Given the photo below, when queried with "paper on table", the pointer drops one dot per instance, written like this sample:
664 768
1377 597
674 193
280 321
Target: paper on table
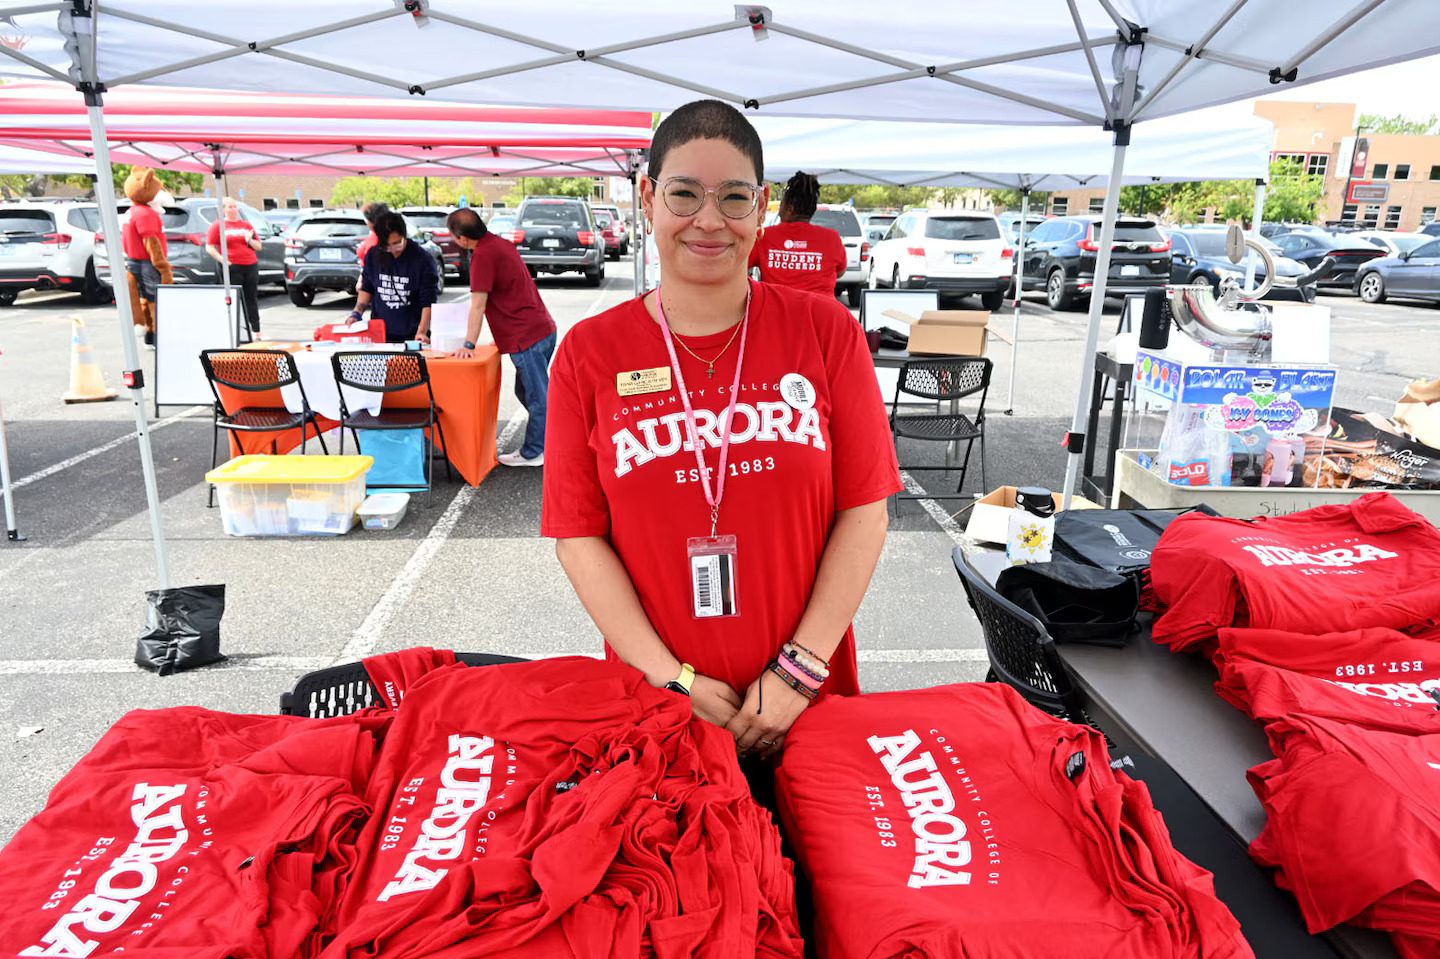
449 322
359 326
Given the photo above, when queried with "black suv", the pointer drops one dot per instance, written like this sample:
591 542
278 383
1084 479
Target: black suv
555 234
1060 259
320 253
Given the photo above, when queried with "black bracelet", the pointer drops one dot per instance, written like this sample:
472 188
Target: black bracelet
811 652
791 681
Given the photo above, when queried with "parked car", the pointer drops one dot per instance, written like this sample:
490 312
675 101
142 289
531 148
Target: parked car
950 252
619 230
1010 223
283 219
1059 258
877 225
1311 246
1430 229
432 222
320 253
613 232
1392 242
49 244
1271 230
557 234
842 220
1414 274
183 246
1198 256
502 225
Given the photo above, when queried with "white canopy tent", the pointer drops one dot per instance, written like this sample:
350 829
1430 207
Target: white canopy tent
1221 143
1092 62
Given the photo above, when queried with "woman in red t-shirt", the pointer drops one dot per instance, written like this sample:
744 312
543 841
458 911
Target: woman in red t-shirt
796 252
241 247
731 572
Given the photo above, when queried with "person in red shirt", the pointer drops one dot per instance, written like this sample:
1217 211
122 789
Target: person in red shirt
502 290
796 252
371 212
719 455
241 245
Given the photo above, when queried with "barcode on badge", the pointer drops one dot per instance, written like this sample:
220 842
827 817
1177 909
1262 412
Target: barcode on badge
711 578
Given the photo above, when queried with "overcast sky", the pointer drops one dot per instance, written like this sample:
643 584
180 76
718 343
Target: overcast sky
1407 88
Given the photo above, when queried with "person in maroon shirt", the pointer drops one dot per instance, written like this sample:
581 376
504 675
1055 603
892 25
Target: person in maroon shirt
502 290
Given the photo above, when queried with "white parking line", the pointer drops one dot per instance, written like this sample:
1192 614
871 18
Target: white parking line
944 520
103 448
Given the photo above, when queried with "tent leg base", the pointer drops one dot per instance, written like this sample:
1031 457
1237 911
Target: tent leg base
14 536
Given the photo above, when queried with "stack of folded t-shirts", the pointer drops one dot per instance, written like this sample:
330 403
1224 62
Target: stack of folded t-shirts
562 808
960 821
1325 627
187 832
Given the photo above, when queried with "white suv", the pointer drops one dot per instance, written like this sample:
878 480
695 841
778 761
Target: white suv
49 245
950 252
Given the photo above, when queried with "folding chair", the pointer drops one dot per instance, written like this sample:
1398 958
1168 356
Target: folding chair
942 380
255 371
1022 654
377 372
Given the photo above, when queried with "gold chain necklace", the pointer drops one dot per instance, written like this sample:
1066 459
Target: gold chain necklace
710 364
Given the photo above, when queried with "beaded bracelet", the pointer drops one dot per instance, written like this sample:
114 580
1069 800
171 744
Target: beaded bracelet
791 681
818 675
810 664
807 680
810 652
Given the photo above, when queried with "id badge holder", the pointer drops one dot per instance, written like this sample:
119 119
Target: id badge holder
712 576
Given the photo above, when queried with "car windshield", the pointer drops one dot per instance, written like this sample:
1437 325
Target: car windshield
1137 230
880 221
962 228
330 229
498 223
427 220
553 214
26 221
843 222
1408 243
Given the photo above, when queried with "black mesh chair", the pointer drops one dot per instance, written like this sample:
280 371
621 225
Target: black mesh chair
345 689
942 380
1021 653
255 371
381 372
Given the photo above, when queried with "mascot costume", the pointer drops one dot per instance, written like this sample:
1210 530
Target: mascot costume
146 254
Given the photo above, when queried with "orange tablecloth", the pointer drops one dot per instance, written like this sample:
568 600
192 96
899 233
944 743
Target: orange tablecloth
467 392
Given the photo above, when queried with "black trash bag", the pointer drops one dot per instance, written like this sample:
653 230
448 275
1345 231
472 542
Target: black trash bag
182 629
1075 603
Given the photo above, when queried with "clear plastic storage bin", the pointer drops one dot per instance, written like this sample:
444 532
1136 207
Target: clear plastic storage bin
290 495
383 510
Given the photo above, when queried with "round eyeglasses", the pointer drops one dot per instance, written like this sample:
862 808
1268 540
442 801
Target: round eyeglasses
684 196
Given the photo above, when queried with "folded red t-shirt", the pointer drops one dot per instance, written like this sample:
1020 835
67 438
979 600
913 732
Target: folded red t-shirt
1375 561
960 821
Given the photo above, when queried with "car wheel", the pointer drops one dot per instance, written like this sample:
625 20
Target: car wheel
1057 297
301 295
871 280
7 297
852 294
993 300
595 278
92 291
895 277
1372 288
624 249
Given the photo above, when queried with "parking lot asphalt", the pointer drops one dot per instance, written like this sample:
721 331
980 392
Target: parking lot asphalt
470 571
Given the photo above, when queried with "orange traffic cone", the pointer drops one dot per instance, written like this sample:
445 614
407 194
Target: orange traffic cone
87 383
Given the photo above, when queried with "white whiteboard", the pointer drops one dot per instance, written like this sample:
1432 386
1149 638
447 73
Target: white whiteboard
190 318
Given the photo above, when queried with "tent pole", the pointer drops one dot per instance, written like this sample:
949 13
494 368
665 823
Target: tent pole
1076 440
110 225
637 245
1255 221
1015 314
220 194
12 531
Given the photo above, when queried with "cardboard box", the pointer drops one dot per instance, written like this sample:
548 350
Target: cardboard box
990 516
946 332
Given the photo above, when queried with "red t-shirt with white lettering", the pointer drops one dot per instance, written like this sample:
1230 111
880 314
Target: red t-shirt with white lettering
238 233
800 255
616 466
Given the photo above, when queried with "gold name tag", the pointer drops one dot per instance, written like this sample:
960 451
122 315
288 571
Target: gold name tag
635 382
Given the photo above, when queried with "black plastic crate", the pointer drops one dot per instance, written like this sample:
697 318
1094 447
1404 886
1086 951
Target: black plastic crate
346 689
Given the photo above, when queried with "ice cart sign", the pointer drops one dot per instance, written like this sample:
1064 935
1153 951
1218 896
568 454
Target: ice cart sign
1282 401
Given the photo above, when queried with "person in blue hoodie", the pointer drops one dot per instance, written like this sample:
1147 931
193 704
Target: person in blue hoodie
399 281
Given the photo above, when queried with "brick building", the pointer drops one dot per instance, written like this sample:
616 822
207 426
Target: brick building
1400 185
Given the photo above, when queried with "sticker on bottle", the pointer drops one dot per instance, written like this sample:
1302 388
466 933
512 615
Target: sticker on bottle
712 576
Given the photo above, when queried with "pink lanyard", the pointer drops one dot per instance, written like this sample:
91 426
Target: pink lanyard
718 494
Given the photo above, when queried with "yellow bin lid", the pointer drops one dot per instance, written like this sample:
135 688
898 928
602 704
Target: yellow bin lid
256 468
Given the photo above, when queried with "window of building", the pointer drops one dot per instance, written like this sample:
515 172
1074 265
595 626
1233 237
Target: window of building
271 203
1291 157
1060 206
1402 171
1097 204
1319 163
292 204
1372 216
317 204
1380 172
1348 212
1435 172
1427 214
1392 218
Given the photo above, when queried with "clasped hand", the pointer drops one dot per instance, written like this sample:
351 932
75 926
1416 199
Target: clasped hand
760 721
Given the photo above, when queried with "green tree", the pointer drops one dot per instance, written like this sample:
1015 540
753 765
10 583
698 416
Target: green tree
869 196
1292 195
1010 201
1375 123
579 186
39 184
